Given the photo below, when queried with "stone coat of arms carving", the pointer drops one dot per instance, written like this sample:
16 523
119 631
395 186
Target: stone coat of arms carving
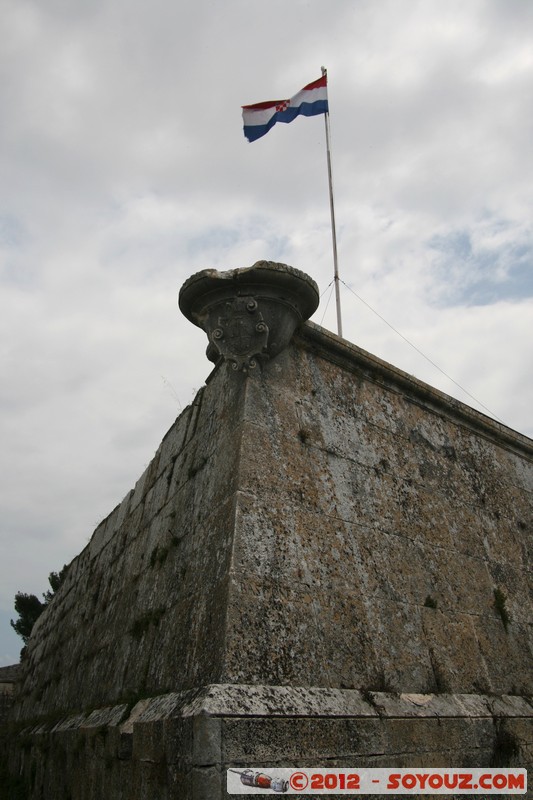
241 335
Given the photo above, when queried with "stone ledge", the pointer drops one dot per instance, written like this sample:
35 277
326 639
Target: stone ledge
231 700
247 700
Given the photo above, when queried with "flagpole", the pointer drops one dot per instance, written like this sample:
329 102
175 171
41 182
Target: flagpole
332 213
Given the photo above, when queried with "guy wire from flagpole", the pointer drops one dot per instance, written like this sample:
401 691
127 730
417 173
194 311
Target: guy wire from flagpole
332 212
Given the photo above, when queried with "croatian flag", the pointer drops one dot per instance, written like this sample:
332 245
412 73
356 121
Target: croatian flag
260 117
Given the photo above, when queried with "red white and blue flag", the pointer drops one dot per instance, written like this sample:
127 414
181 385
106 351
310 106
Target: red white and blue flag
261 117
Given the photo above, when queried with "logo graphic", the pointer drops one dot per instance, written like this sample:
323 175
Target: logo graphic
261 781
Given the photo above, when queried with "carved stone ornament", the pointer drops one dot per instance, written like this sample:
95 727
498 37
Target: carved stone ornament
242 334
249 314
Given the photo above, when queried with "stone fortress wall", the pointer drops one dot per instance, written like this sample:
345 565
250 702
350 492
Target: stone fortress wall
325 561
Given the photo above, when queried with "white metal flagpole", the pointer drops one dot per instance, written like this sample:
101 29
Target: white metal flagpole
332 212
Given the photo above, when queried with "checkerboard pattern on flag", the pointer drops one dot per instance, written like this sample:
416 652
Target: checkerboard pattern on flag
261 117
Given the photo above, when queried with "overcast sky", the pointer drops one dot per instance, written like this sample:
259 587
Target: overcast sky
124 170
